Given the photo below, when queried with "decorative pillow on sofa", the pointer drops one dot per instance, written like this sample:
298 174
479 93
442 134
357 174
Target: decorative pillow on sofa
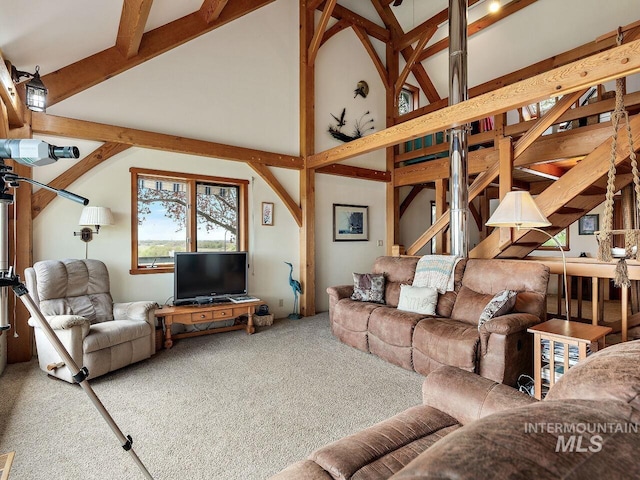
368 287
418 299
501 304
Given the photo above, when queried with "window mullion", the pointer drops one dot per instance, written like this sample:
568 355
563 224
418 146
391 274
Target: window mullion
192 211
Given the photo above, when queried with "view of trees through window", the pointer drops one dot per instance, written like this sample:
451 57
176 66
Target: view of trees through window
170 209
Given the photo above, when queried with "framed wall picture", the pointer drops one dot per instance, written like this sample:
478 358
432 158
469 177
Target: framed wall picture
350 223
267 213
588 224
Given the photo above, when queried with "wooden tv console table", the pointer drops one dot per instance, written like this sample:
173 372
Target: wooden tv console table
194 314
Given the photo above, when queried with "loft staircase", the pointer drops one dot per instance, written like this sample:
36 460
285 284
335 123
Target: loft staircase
567 199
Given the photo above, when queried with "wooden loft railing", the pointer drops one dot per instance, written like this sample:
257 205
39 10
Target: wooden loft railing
598 272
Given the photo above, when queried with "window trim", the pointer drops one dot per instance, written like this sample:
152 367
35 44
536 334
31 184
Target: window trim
191 180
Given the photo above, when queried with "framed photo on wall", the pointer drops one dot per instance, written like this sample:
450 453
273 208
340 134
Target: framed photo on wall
588 224
350 223
267 213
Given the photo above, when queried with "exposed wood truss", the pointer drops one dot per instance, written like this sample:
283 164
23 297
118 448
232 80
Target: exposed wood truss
619 61
68 127
92 70
43 197
132 22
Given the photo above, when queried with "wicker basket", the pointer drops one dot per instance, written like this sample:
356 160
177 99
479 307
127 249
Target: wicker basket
263 320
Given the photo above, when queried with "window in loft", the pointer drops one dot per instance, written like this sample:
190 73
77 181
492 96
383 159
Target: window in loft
408 99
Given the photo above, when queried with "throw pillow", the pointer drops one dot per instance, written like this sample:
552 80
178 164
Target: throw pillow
501 304
418 299
368 287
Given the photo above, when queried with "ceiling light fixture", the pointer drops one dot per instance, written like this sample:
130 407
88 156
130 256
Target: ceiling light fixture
494 6
35 91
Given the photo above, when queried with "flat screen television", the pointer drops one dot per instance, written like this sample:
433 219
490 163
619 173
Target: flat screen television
203 277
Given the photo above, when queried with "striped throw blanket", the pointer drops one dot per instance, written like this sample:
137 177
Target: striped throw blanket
436 271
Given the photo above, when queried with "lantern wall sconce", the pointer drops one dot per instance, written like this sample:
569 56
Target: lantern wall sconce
35 91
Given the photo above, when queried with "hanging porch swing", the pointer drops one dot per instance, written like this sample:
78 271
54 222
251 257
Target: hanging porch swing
606 252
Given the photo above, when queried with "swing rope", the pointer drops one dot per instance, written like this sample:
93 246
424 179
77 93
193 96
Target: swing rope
631 236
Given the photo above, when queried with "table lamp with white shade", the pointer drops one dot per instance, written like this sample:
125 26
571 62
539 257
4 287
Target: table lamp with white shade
518 209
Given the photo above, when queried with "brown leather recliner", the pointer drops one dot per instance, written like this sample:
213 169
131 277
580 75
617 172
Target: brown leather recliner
470 427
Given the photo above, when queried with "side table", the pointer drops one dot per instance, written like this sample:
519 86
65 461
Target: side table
565 344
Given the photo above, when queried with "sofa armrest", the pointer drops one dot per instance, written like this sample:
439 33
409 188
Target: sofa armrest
135 311
467 396
510 323
304 469
341 291
65 322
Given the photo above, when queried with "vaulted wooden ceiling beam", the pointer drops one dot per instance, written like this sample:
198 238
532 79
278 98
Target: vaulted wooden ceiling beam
334 29
132 22
101 66
509 9
69 127
373 29
619 61
10 97
377 62
414 34
411 61
211 9
392 24
320 29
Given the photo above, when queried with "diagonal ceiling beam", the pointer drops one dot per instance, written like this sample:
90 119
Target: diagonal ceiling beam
418 70
132 22
509 9
101 66
320 29
377 62
619 61
43 197
414 34
9 95
373 29
211 9
546 121
411 61
334 29
271 180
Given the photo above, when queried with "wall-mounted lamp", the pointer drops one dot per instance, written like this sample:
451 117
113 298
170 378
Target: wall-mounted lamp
96 216
35 91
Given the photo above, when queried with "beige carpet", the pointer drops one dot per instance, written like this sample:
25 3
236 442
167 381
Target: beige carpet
223 406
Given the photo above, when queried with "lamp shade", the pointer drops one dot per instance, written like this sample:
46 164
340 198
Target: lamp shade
96 216
518 209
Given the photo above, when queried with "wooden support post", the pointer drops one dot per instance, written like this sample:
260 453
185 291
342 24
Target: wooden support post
392 192
594 301
307 175
505 147
441 207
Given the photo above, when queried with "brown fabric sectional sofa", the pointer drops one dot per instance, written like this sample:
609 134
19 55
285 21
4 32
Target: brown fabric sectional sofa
470 427
500 349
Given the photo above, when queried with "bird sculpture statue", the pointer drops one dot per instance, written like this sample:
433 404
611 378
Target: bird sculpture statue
297 288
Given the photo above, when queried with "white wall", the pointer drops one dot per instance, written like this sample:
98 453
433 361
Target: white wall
243 91
340 64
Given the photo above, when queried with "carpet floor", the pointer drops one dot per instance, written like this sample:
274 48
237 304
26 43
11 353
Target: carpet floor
223 406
